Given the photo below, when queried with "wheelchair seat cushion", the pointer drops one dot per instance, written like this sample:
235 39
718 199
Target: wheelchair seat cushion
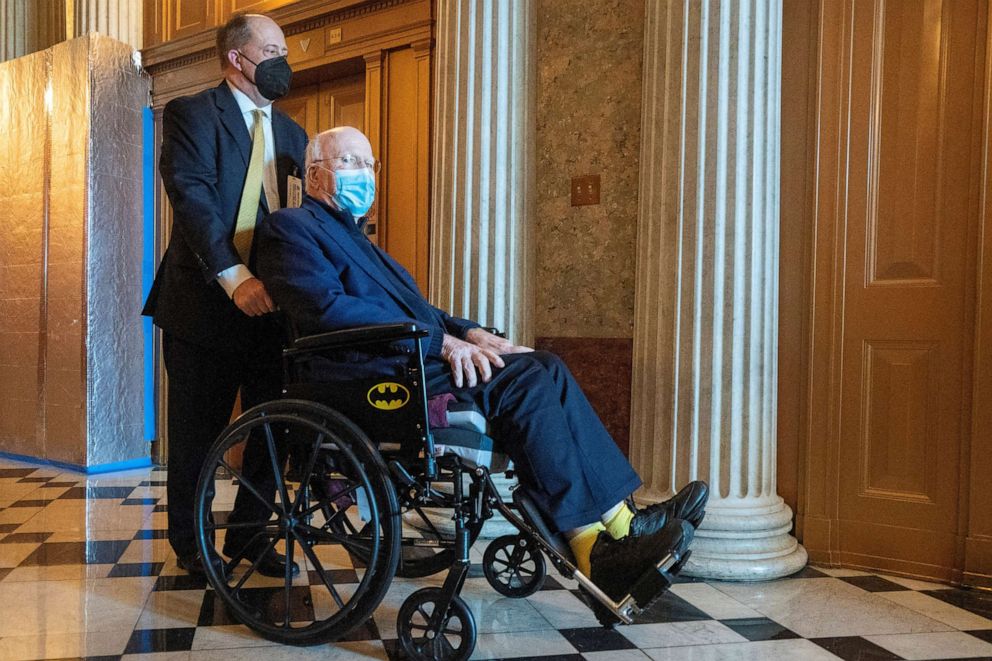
473 448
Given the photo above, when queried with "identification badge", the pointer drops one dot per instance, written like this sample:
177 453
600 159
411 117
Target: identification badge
294 192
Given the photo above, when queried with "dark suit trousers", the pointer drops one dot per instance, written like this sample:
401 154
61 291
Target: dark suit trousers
203 384
540 417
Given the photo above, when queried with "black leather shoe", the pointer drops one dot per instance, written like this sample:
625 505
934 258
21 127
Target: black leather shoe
689 505
272 564
193 564
617 564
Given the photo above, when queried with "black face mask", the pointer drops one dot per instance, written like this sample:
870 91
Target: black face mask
272 76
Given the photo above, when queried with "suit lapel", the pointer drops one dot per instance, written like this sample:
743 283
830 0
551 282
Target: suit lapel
230 117
340 236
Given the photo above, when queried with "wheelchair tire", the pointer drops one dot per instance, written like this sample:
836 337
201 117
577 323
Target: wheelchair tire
514 566
451 638
334 471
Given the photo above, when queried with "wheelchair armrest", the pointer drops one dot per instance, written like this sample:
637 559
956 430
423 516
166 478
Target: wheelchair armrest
351 337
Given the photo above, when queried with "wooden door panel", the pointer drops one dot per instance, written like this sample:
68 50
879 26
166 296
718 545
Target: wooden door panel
191 16
902 89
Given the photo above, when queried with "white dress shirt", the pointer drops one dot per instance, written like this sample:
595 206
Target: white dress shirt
231 278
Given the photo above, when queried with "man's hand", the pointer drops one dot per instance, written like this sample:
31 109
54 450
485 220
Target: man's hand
252 299
465 358
498 345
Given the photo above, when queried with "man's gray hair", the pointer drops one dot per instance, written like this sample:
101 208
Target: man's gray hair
314 152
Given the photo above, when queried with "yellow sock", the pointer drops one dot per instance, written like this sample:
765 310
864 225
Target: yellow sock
617 521
581 543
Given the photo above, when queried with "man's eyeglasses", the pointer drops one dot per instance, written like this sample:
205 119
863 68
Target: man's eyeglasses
352 162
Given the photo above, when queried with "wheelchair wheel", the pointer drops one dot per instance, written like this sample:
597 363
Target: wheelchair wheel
514 566
426 634
299 479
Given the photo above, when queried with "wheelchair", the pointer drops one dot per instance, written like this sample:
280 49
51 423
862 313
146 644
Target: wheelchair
359 477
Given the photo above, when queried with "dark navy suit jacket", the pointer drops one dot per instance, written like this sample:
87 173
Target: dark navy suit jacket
317 274
204 161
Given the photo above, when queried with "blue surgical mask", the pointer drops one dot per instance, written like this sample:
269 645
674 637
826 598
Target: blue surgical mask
355 190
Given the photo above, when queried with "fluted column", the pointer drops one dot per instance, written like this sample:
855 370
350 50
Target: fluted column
120 19
706 310
481 256
27 26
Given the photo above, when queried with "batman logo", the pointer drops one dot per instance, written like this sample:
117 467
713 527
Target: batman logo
388 396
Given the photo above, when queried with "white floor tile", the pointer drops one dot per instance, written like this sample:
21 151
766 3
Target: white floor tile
228 636
821 607
64 645
563 609
765 650
522 643
934 645
711 601
676 634
371 649
170 609
914 584
937 610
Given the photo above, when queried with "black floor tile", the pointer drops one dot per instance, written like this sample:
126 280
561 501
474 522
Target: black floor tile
9 527
153 483
475 571
26 537
978 602
74 553
161 507
16 472
759 628
4 572
34 480
670 608
116 493
984 634
32 503
152 534
180 582
873 583
366 631
213 613
552 657
808 572
129 569
551 583
336 576
147 641
597 639
140 501
57 485
855 648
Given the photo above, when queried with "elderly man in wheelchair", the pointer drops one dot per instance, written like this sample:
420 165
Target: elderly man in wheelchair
395 411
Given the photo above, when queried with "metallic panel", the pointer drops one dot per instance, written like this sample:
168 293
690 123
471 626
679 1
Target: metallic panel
71 380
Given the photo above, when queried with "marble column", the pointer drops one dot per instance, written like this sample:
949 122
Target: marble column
482 259
706 310
27 26
120 19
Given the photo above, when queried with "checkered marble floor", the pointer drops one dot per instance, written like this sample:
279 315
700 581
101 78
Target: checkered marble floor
86 572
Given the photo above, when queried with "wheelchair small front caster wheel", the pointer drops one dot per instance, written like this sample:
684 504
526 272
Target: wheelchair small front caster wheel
428 635
514 566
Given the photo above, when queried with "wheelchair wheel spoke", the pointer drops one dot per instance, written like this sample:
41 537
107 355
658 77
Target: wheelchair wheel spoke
254 565
251 489
305 479
318 565
340 494
287 593
234 526
270 442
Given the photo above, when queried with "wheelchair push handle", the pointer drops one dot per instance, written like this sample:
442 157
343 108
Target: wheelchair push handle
351 337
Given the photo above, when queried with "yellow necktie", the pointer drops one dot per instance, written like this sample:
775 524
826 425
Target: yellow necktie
248 210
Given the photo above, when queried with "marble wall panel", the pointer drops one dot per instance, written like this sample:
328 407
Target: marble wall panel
588 122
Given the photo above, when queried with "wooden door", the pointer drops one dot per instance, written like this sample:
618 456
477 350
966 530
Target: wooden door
895 267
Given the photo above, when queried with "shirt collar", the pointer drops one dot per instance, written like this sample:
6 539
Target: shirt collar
246 104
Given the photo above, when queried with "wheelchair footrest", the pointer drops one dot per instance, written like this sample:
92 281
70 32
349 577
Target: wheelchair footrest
653 583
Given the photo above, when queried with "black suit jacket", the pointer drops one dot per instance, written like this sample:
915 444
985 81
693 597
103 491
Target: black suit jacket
323 282
205 151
